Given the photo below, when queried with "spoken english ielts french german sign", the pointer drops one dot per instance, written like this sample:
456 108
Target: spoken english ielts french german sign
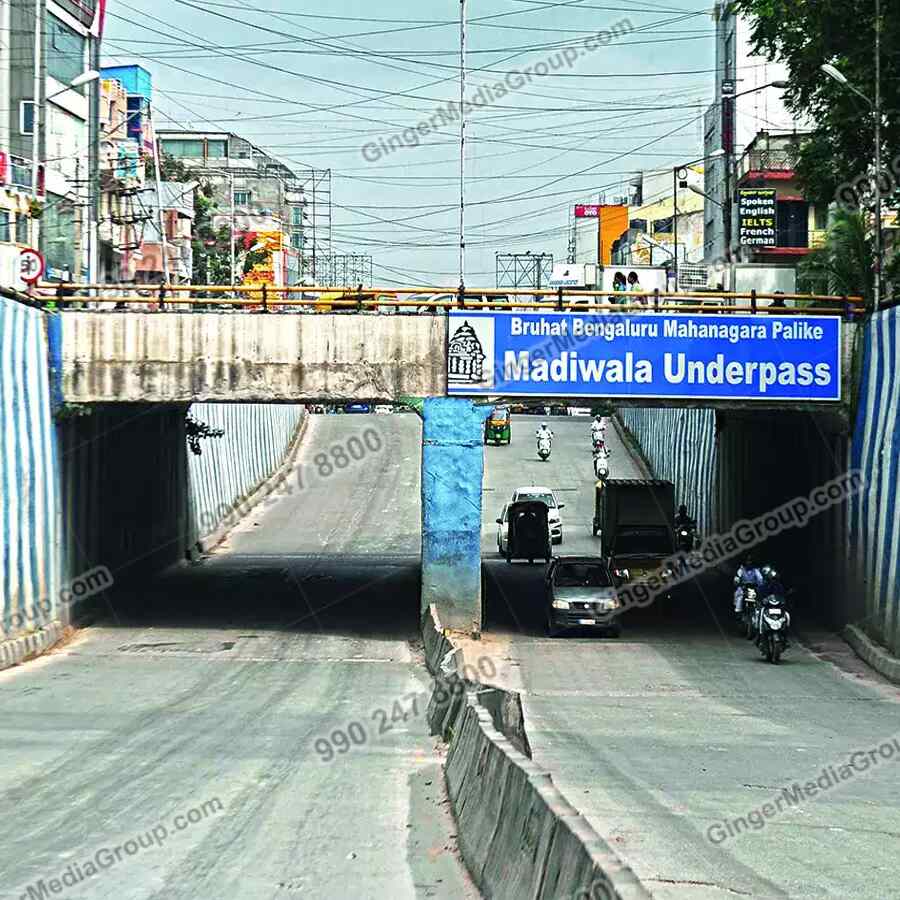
652 355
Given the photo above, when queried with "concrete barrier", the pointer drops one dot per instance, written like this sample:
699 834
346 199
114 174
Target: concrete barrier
518 835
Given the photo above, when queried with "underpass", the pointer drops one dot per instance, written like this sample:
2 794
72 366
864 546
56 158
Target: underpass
238 680
668 734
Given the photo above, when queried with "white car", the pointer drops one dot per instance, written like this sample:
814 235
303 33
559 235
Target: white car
553 507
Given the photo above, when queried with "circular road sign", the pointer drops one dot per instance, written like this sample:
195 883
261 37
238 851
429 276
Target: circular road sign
31 265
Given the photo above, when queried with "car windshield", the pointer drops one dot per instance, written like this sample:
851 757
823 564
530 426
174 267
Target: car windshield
652 543
500 414
544 498
582 575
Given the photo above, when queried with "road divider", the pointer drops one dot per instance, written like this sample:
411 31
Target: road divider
519 837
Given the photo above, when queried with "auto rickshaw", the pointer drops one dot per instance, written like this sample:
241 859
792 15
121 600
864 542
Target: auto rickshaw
528 535
497 428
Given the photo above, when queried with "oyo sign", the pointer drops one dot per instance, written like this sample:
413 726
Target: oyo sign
587 210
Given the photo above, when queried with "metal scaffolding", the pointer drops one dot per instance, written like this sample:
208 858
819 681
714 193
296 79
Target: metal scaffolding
312 189
529 270
346 269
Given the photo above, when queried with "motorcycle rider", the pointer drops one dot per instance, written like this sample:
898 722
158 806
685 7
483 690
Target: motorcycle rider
747 574
598 428
543 431
771 584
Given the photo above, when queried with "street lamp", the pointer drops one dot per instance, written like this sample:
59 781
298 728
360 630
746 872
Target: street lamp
835 73
676 177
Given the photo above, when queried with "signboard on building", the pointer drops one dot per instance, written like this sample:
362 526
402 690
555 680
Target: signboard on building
665 356
756 217
571 275
587 210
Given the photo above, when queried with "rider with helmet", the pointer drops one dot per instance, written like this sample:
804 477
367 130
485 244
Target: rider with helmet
747 575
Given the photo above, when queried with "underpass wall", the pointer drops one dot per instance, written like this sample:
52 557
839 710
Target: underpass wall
874 536
229 469
680 446
30 575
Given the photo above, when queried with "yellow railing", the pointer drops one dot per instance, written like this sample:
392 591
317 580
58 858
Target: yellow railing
326 299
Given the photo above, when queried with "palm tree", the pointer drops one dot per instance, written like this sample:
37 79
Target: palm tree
846 263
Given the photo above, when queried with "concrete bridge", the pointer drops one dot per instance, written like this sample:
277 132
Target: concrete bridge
167 357
126 357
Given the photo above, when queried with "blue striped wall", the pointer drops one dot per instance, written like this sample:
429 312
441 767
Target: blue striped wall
257 438
30 577
680 445
874 527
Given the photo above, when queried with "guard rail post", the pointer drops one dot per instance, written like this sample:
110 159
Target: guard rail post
559 299
656 299
753 301
162 297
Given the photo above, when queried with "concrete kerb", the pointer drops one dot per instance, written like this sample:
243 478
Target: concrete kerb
878 657
205 543
18 649
519 836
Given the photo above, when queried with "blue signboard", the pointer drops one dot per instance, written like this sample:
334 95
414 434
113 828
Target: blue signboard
652 355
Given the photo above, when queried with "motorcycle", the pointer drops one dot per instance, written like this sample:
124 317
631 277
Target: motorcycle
748 611
773 621
601 466
685 536
543 448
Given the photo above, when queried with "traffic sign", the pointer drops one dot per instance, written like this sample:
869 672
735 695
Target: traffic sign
31 265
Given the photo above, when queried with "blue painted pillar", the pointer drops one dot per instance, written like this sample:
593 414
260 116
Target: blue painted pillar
452 468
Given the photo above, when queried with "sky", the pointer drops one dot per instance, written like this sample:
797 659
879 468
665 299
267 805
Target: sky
611 90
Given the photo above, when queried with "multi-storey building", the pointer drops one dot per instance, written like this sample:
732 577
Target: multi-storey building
49 95
260 200
745 104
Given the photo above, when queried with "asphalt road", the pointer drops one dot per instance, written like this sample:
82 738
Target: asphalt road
184 730
679 726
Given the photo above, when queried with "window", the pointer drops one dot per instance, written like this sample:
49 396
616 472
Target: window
297 216
217 149
4 225
242 198
21 229
663 226
65 52
792 219
26 117
183 149
297 240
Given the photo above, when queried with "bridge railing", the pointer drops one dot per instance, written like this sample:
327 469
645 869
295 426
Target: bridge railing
429 300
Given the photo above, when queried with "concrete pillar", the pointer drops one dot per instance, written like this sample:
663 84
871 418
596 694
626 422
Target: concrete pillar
452 469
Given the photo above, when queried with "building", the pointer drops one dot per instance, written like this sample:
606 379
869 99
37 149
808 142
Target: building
652 223
124 139
46 200
173 257
774 223
259 196
744 106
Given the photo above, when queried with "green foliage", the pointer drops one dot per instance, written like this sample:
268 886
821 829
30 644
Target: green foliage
806 33
845 265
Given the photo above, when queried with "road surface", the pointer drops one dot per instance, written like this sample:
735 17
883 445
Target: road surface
679 727
200 701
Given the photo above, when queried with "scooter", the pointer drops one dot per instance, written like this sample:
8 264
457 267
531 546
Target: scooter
748 611
601 466
773 621
543 448
685 537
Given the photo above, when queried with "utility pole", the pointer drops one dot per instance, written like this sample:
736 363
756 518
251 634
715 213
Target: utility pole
161 216
36 111
462 146
231 232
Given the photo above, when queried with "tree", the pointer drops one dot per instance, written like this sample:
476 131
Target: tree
803 35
